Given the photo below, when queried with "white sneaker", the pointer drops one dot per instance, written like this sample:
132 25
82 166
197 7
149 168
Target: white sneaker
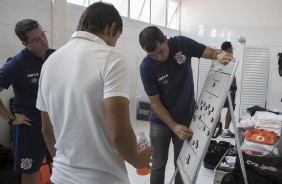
227 134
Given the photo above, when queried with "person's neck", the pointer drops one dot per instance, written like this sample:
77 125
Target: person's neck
41 55
105 38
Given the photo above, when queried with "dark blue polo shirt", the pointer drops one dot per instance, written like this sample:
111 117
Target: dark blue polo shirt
22 72
173 79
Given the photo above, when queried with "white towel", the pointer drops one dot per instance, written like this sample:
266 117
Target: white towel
261 149
268 116
268 121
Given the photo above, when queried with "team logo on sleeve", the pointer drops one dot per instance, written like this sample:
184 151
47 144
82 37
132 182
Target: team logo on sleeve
26 163
180 58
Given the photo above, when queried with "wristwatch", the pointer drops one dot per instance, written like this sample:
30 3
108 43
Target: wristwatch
216 53
12 118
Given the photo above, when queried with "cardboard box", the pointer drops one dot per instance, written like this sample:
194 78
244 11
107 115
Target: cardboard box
143 111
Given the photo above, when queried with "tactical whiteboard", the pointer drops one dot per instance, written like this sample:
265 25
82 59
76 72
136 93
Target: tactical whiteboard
207 113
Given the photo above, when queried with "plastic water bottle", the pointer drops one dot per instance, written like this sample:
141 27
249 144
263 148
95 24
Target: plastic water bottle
142 142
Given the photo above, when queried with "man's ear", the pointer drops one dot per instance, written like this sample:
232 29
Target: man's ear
111 28
165 39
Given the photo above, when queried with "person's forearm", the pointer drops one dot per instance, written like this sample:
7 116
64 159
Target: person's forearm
125 143
234 83
50 142
163 114
215 54
4 113
210 53
120 130
48 133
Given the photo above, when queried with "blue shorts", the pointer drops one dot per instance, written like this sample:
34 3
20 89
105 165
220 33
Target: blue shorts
29 148
226 104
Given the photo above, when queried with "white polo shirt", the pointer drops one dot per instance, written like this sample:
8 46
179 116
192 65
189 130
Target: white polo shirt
73 84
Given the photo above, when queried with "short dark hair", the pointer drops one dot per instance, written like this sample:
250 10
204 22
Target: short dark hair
96 17
24 26
149 37
226 45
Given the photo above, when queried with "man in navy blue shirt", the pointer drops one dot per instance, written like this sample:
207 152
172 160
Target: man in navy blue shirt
22 72
167 77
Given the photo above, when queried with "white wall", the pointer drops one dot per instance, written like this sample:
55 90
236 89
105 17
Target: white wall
212 22
239 12
216 21
274 95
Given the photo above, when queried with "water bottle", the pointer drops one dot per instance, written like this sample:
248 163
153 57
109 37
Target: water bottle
142 142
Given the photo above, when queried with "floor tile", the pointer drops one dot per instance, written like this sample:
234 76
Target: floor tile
139 179
204 179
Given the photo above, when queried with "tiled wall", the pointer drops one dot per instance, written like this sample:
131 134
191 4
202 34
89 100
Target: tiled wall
11 11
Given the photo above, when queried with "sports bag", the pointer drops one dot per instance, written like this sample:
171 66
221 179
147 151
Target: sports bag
252 110
259 170
215 153
4 155
45 171
7 176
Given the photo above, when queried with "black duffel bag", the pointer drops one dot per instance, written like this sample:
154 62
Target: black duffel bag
4 155
215 152
259 170
7 176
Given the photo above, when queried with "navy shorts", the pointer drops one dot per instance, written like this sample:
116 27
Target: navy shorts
29 148
232 95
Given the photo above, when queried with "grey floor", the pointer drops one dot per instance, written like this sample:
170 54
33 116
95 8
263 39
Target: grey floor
205 176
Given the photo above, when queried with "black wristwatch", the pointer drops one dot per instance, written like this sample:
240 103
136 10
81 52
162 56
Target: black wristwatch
12 118
216 53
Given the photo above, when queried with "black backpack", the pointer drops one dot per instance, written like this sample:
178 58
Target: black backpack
259 170
7 176
4 155
215 153
252 110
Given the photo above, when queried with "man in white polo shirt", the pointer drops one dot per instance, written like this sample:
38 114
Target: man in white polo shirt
84 98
